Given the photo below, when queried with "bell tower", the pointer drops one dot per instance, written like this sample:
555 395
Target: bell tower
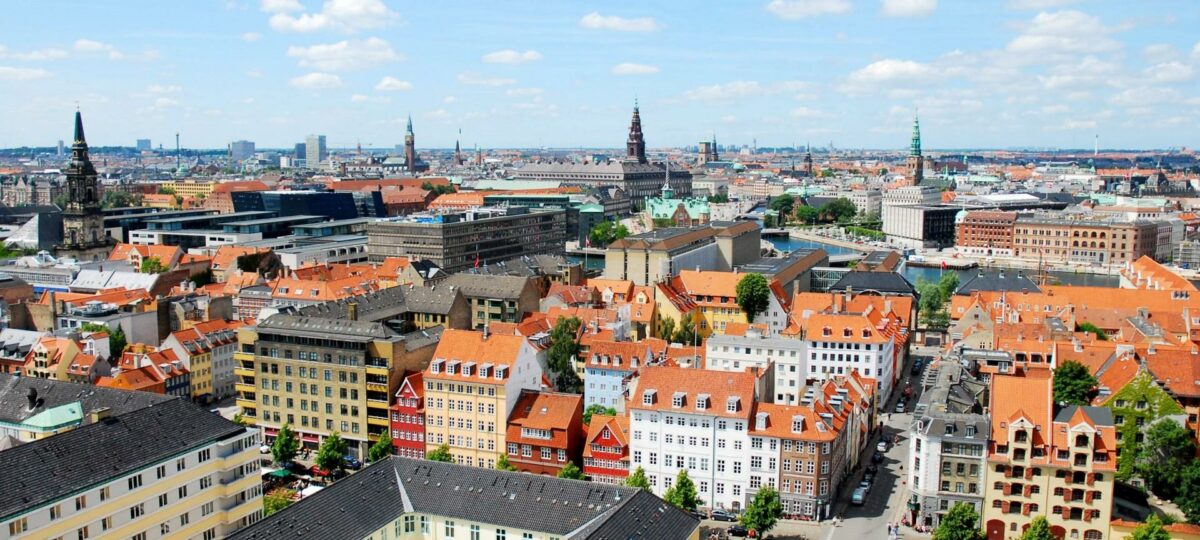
916 170
83 222
635 147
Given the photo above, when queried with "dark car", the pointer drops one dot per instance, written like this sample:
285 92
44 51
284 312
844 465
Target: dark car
877 457
869 477
721 515
917 365
352 462
737 530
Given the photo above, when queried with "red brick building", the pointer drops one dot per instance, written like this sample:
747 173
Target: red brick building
408 418
545 432
986 232
606 454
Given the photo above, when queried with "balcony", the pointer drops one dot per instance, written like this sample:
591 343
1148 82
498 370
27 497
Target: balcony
244 357
247 389
378 421
240 371
377 387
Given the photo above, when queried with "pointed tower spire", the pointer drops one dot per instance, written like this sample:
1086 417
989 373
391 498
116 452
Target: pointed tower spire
635 147
79 138
916 169
409 130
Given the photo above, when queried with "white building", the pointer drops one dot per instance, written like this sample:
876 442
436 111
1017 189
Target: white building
756 349
698 421
839 343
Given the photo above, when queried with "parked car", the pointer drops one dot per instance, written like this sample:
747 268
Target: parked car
900 408
882 446
352 462
917 365
721 515
859 497
865 484
869 477
737 530
877 457
264 449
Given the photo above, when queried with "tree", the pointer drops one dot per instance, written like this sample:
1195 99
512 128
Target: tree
1039 529
441 453
114 198
686 333
240 420
502 464
1151 529
152 265
637 479
564 348
571 471
839 210
807 214
1166 450
381 449
440 189
277 499
1093 329
718 198
607 232
763 511
286 445
784 204
960 523
947 285
1188 499
597 408
116 342
1073 383
753 295
682 492
332 454
664 328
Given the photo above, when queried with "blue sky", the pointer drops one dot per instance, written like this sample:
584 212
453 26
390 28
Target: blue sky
983 73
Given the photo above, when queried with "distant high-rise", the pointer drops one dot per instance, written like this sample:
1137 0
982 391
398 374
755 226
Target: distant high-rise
314 151
708 150
915 168
239 150
635 147
61 148
301 151
143 145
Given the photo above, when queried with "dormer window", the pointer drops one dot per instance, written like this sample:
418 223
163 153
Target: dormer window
451 368
797 424
760 422
702 402
648 397
436 367
845 332
501 371
827 331
677 399
466 370
866 333
485 370
731 405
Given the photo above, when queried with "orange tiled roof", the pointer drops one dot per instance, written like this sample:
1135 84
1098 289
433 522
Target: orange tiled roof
780 419
1146 273
618 426
465 346
226 256
550 411
1027 396
720 387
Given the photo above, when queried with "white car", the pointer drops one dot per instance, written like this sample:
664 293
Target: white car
882 446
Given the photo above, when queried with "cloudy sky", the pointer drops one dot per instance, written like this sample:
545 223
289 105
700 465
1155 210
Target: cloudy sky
982 73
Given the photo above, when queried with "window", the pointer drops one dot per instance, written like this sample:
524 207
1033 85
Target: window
134 482
18 526
474 532
81 502
55 512
424 524
410 524
137 511
449 529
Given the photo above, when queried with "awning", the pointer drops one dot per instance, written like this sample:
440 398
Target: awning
281 473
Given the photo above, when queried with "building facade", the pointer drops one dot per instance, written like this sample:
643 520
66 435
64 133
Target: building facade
408 418
545 432
606 452
460 241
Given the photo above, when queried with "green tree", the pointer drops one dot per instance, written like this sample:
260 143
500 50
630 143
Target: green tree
753 295
718 198
637 479
240 420
597 408
686 333
286 445
440 189
763 511
277 499
839 210
571 471
1039 529
564 348
605 233
663 223
503 464
784 204
1093 329
1151 529
1162 456
381 449
807 214
441 453
116 342
151 265
664 328
960 523
947 285
163 190
114 198
1188 499
1073 383
682 492
332 454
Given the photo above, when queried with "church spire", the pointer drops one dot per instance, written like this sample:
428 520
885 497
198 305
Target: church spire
409 130
915 149
916 163
79 138
635 147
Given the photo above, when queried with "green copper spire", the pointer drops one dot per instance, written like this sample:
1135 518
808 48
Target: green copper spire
409 130
915 150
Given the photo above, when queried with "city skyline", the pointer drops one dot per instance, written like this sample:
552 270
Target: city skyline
1012 73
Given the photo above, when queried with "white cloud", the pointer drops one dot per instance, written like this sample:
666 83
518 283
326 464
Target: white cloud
280 6
1039 4
909 8
22 74
509 56
360 98
88 46
1196 51
1170 72
801 9
1160 52
254 73
1078 124
596 21
1145 95
449 99
475 79
729 119
805 112
344 15
345 55
634 69
164 102
248 101
1055 109
164 89
251 36
316 81
437 113
888 72
523 92
40 55
726 91
392 84
1063 32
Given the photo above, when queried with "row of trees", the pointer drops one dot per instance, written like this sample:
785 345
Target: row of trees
839 210
666 329
760 515
331 456
607 232
933 298
962 523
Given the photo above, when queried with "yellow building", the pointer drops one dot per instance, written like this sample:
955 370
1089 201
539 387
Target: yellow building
324 376
1047 462
188 188
410 499
171 470
471 385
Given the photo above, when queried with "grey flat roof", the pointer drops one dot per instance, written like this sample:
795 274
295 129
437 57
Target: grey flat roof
264 221
235 215
334 223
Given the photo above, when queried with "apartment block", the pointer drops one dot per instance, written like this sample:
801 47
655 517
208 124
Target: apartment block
545 432
463 240
472 386
325 376
606 453
755 348
408 418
